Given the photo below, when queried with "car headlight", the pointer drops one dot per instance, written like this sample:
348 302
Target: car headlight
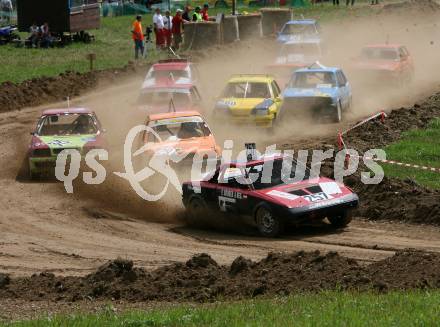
260 111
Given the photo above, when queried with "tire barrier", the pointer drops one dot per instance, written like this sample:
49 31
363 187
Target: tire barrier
273 19
230 30
249 26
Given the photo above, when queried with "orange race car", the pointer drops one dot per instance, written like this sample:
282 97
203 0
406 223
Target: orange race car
183 135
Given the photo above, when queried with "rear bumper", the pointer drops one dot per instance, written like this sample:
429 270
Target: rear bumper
318 210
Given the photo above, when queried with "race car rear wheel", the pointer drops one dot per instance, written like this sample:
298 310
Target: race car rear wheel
268 224
340 220
196 211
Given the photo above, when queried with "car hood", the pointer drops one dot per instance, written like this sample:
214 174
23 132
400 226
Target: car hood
186 146
292 92
386 65
319 192
64 141
243 106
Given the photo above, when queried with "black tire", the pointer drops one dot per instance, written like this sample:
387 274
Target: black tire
34 176
340 220
268 225
338 114
196 211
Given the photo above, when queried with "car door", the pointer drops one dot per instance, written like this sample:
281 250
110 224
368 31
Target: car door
344 89
232 196
276 91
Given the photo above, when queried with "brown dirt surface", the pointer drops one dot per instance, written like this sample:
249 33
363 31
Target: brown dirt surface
415 6
202 279
43 90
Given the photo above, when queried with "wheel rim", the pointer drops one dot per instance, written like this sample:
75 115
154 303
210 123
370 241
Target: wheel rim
267 222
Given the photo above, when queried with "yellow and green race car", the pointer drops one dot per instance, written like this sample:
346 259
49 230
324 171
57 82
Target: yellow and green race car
249 99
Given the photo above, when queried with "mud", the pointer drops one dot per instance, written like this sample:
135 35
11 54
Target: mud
202 279
43 90
411 6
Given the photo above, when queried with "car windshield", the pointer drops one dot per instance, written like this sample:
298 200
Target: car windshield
380 54
244 90
311 80
173 74
161 98
67 124
180 128
298 29
279 175
305 49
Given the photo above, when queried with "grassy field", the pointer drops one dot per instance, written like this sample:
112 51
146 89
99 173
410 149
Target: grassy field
420 147
114 48
325 309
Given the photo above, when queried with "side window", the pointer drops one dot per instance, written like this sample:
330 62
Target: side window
195 94
230 176
276 90
341 78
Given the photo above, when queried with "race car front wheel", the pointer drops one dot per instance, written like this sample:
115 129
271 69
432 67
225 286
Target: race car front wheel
196 211
268 224
340 220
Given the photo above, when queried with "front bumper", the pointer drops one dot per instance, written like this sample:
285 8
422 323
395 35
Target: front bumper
309 106
42 164
250 119
319 210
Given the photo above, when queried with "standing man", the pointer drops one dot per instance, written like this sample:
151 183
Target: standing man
335 2
158 29
186 16
197 16
205 15
348 2
374 2
177 28
167 27
138 37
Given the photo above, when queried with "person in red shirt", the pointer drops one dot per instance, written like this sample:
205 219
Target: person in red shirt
176 28
138 37
205 15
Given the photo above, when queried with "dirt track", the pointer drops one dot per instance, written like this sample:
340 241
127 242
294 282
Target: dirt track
44 229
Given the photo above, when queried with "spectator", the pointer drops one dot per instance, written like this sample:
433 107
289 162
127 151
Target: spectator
34 35
374 2
186 15
158 28
177 27
138 37
205 15
348 2
335 2
6 8
46 37
197 16
168 25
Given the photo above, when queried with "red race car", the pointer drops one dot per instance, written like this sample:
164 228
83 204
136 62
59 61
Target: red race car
269 201
180 71
385 63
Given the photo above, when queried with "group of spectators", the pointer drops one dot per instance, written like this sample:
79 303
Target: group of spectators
168 30
6 8
40 36
348 2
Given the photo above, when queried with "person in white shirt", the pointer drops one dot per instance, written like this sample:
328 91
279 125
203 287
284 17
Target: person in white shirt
168 25
158 29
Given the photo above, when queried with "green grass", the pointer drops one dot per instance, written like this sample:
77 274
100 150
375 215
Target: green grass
114 47
324 309
420 147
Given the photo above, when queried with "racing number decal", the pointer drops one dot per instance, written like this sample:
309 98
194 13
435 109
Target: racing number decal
317 197
225 203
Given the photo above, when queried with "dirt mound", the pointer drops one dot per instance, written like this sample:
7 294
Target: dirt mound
43 90
411 6
202 279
